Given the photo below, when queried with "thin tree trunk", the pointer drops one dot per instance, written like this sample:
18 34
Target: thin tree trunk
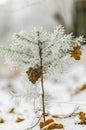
42 81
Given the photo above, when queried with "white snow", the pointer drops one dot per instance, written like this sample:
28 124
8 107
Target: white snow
62 102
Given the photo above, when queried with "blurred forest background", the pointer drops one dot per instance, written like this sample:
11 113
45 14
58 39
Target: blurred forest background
16 15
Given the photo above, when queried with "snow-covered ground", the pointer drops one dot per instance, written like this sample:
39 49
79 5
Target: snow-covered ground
63 101
62 104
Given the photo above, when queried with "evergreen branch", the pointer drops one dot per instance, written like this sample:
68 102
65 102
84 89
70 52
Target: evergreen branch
23 38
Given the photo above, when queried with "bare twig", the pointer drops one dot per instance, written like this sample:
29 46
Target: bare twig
74 113
35 124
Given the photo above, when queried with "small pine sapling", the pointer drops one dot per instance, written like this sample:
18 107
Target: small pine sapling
43 52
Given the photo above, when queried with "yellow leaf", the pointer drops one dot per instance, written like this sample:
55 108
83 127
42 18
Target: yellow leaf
76 52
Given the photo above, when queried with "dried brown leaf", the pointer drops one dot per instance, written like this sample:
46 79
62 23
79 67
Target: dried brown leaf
55 116
34 74
46 114
49 121
50 125
82 117
1 120
12 110
55 126
42 124
78 90
19 120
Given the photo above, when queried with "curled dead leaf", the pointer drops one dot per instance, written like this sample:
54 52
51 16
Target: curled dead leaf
34 73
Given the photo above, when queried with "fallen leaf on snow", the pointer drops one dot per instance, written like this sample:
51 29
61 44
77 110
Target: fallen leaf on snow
1 120
50 125
12 110
19 120
82 117
55 116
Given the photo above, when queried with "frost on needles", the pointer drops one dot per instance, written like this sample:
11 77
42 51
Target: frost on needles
58 50
40 53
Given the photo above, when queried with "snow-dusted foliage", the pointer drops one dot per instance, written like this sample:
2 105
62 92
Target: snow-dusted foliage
40 53
57 50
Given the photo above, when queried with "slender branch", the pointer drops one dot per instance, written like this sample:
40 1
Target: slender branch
34 124
42 82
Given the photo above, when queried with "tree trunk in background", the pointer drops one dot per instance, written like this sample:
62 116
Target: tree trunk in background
79 18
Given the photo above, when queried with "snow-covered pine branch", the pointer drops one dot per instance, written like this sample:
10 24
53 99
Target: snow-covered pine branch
57 50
